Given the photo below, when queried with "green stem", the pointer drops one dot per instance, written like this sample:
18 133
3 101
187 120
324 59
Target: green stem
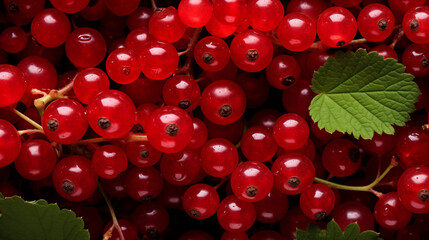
112 213
27 119
366 188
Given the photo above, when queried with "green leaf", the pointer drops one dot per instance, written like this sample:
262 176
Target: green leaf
362 93
21 220
333 232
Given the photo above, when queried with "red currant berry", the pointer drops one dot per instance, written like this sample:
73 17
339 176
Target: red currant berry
258 144
293 173
251 181
413 189
12 85
13 39
109 161
235 215
69 6
211 53
251 51
195 14
10 143
165 25
272 208
317 201
123 66
265 15
181 168
142 154
283 72
353 212
341 157
169 129
50 28
74 178
89 82
291 131
200 201
143 184
36 160
412 147
296 32
158 60
181 91
223 102
390 213
336 26
111 114
376 22
151 219
219 157
85 47
416 24
64 121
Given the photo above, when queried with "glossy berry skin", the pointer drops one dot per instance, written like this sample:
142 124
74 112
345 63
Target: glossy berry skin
258 144
195 14
219 157
36 160
111 114
50 27
350 212
169 129
293 173
88 83
336 26
341 157
143 184
291 131
264 15
143 114
109 161
223 102
123 66
181 91
137 38
64 121
272 208
412 147
220 29
181 168
165 25
200 134
10 143
385 51
416 24
413 186
122 7
311 8
251 51
251 181
230 12
211 53
158 60
265 118
142 154
296 32
13 39
379 144
416 60
12 85
128 230
85 47
235 215
389 212
39 73
200 201
283 72
150 219
69 6
74 178
317 201
376 22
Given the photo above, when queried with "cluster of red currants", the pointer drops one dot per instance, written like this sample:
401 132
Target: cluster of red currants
209 139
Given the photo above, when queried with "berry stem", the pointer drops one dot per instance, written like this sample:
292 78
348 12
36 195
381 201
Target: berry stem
29 120
131 137
222 181
41 102
376 193
186 68
398 37
154 7
366 188
30 131
112 213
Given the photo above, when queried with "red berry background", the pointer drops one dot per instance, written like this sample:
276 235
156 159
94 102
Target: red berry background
189 119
